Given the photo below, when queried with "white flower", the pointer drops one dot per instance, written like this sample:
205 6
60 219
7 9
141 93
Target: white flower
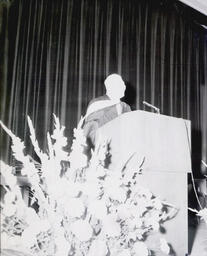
155 225
140 249
78 160
18 148
157 203
29 237
111 227
203 214
142 201
30 215
56 220
98 246
138 221
140 233
44 225
11 242
137 210
5 240
79 137
152 219
12 181
124 252
9 197
54 187
144 192
58 133
37 227
70 189
62 245
112 188
133 223
6 172
98 209
91 189
141 206
91 176
164 246
123 211
82 230
74 207
113 180
153 222
9 210
116 193
100 171
155 214
132 235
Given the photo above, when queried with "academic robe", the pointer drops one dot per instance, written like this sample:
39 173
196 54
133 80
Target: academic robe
102 116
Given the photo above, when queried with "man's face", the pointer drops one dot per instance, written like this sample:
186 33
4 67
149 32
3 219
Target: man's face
116 90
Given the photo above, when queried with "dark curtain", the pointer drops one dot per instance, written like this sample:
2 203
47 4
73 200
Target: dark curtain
55 55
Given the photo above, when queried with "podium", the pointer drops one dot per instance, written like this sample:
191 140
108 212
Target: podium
163 143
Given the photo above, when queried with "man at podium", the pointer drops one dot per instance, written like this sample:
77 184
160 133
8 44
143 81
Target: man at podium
105 108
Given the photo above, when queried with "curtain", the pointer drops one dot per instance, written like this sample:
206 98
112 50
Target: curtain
57 53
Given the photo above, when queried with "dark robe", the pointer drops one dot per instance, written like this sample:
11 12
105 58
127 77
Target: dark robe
100 117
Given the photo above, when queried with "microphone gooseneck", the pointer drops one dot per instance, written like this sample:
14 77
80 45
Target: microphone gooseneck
151 106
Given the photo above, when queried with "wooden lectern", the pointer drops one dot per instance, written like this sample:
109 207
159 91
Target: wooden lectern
164 144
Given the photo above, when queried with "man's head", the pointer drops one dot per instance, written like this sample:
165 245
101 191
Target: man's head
115 86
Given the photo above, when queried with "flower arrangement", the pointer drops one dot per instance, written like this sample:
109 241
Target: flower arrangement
81 211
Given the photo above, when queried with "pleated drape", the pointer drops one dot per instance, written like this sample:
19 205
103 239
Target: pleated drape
56 54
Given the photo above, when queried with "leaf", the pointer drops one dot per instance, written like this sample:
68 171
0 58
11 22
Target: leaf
34 140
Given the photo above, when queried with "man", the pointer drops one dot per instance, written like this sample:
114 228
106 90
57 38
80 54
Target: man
105 108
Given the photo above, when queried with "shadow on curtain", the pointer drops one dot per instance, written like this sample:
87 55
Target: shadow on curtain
56 54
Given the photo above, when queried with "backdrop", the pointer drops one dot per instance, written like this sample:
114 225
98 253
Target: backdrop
55 54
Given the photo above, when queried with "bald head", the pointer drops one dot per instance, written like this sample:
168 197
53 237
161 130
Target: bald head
115 86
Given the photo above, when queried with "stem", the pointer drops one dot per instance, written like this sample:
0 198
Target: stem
170 205
7 190
194 188
192 210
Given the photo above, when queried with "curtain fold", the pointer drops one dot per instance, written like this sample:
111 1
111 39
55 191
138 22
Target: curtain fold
56 54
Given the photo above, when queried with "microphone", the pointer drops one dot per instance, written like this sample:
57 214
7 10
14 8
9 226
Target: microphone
151 106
